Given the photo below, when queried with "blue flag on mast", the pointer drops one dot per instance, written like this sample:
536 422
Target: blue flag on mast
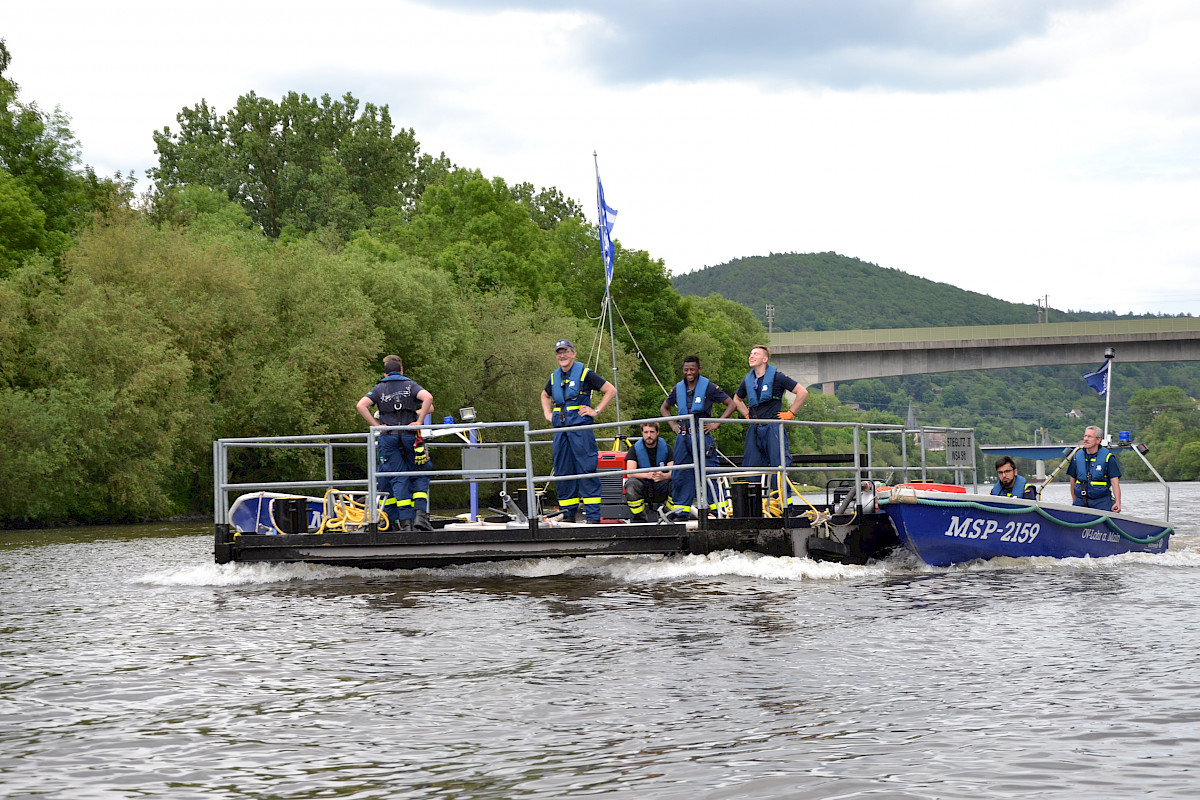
1098 380
607 220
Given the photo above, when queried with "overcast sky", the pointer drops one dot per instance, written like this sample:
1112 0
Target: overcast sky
1017 148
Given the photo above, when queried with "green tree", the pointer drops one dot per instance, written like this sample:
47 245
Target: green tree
547 207
476 231
302 163
1163 407
22 225
1188 462
45 192
113 382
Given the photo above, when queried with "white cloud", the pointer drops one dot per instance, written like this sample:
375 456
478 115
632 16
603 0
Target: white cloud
1074 175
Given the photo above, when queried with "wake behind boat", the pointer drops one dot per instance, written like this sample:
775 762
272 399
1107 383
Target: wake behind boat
945 528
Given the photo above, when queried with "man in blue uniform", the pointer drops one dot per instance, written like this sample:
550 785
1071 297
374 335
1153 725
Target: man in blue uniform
1010 484
1095 474
763 389
694 395
401 401
567 404
652 487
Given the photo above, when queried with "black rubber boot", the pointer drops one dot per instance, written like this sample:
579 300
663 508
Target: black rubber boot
422 523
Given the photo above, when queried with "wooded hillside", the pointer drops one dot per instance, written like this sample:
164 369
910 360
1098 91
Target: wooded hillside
831 292
826 291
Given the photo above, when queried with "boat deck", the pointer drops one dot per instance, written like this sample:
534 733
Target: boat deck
462 543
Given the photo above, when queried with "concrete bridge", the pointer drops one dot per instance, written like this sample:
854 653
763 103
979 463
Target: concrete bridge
824 357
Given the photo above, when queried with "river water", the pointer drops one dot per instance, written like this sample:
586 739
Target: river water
131 666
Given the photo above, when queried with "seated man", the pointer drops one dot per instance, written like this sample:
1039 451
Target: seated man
1011 484
652 487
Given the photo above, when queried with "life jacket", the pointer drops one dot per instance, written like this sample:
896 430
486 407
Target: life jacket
643 455
1017 490
572 390
698 402
1095 481
750 382
398 401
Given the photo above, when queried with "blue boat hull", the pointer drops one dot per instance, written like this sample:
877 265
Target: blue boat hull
944 529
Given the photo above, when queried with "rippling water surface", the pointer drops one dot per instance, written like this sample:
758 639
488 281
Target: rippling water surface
131 666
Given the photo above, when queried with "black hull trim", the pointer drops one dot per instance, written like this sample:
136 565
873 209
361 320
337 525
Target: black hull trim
869 538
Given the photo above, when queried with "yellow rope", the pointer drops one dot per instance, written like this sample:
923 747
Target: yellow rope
345 511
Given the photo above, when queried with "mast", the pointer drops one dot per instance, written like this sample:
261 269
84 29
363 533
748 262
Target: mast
604 227
1110 356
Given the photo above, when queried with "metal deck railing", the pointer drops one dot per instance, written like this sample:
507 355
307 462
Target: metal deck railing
493 462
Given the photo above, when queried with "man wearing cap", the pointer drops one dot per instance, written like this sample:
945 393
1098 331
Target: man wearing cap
401 401
567 404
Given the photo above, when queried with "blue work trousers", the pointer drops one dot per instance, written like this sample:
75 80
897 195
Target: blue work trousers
683 481
1104 503
396 455
575 453
762 448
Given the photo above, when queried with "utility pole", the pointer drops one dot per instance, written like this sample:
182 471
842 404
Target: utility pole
770 317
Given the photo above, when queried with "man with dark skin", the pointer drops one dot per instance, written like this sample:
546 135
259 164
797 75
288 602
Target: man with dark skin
694 395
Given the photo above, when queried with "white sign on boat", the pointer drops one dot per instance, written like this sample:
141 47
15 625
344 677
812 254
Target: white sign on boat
960 446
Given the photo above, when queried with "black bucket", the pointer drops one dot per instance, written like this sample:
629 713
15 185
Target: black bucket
291 514
747 500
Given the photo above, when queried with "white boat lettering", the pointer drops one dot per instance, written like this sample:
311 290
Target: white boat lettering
958 530
972 528
1021 532
1100 535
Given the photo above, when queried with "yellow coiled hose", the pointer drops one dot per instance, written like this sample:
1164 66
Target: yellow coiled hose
345 512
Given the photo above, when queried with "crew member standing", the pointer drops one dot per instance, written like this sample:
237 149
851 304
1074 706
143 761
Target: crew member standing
1095 474
694 395
401 401
763 389
1010 484
567 404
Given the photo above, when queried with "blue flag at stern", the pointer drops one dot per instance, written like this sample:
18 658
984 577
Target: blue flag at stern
1098 380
